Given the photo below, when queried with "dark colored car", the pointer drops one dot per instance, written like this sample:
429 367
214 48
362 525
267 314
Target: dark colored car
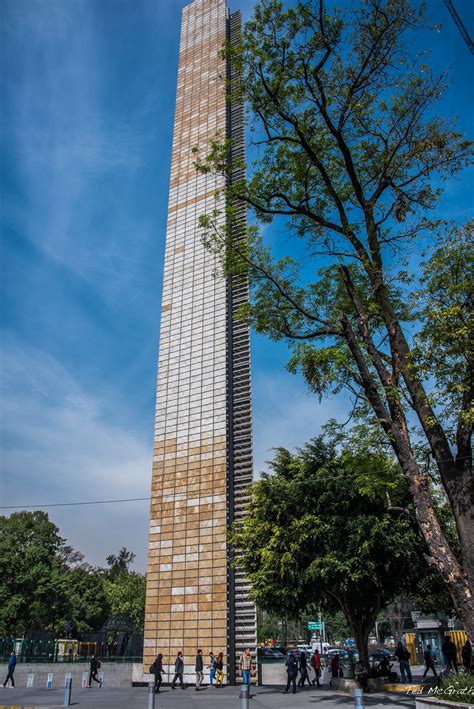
380 653
271 652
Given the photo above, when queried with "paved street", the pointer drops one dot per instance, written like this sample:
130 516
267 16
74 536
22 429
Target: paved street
226 698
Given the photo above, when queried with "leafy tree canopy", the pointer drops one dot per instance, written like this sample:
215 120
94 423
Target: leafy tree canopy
351 155
30 571
126 596
45 584
319 532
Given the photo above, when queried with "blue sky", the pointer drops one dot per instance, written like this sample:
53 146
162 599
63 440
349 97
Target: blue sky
87 101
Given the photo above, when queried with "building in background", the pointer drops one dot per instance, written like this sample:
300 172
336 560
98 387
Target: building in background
203 447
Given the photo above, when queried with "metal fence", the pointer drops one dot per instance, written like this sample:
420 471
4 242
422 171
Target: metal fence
72 651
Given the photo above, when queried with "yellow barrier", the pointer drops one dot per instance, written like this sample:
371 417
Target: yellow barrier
411 647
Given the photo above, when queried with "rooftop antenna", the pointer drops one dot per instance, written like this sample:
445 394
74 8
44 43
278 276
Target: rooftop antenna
460 25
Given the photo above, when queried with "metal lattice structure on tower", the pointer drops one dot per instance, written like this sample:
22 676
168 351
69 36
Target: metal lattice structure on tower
460 25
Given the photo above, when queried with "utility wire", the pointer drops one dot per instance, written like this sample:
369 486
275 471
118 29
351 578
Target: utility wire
134 499
70 504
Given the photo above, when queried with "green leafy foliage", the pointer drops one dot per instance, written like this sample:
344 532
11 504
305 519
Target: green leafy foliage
125 596
30 571
457 688
44 583
351 153
319 531
445 303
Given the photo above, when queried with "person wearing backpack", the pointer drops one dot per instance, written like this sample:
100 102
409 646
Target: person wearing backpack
292 672
95 666
403 657
219 669
156 669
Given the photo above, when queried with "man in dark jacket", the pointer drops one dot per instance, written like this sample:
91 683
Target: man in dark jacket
452 656
429 662
303 670
11 669
403 657
95 664
292 672
445 651
466 654
199 668
178 671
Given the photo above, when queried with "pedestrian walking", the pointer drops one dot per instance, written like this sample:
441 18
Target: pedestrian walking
429 661
212 669
219 669
403 657
199 669
292 673
246 668
94 668
317 667
11 669
156 669
452 656
303 670
466 655
178 671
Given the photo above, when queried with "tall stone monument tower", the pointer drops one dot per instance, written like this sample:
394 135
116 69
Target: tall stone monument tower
203 447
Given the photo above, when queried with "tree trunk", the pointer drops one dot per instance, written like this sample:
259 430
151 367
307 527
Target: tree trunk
362 628
456 472
441 556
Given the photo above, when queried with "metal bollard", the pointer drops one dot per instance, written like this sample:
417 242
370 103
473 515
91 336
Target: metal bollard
67 693
359 698
244 696
151 695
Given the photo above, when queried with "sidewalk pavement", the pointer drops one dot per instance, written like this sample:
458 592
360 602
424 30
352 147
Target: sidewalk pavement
209 698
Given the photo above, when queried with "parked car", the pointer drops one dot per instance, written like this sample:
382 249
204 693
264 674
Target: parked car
271 652
380 653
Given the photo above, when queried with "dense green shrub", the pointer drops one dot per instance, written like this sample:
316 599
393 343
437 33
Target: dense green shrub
457 688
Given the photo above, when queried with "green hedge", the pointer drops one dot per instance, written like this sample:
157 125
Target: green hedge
457 688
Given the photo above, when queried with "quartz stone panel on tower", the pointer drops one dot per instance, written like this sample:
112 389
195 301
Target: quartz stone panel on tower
191 590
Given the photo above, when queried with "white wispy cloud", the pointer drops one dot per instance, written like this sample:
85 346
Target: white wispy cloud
286 414
77 162
61 444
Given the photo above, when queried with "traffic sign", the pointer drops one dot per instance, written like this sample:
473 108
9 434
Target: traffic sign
314 625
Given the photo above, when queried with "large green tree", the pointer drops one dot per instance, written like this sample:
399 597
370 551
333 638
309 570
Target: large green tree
126 596
351 158
319 531
31 581
45 584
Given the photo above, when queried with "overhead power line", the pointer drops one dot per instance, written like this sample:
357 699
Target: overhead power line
70 504
136 499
